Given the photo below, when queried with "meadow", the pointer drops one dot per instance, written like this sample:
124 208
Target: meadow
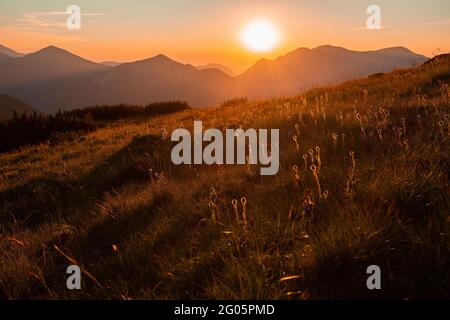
363 180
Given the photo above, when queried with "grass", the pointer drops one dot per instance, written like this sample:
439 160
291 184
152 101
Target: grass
142 228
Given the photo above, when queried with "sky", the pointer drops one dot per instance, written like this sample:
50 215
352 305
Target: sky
208 31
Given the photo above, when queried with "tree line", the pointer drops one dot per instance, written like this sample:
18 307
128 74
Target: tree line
29 129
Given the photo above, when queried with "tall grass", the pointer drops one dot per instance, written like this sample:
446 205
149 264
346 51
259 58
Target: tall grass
364 182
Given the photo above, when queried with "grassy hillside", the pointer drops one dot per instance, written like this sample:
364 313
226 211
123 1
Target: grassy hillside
31 129
112 202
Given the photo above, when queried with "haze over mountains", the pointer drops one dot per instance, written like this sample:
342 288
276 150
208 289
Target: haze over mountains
10 52
305 68
10 104
52 78
220 67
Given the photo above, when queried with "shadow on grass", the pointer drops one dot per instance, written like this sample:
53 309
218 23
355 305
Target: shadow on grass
48 198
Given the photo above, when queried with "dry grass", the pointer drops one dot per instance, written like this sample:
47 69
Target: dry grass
144 228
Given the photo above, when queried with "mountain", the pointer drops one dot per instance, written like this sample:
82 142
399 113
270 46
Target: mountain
305 68
111 63
155 79
8 104
53 78
220 67
4 58
46 64
10 52
160 78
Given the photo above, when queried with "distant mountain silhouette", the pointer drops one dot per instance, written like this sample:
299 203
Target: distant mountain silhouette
305 68
53 78
217 66
10 52
4 58
155 79
46 64
111 63
8 104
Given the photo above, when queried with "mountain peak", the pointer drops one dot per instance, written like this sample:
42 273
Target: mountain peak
329 47
161 57
399 49
263 61
52 49
217 66
10 52
53 54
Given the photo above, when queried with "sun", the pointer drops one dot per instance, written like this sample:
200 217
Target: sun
260 36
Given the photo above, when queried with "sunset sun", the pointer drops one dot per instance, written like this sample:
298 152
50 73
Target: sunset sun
260 36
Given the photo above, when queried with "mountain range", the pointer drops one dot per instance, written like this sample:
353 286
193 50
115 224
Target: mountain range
53 78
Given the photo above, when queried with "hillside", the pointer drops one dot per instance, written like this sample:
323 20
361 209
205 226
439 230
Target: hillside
4 58
10 104
10 52
363 180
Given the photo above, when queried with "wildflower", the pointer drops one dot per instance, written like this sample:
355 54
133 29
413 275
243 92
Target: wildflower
294 137
311 153
316 178
235 206
380 135
296 176
305 158
334 136
244 210
441 126
297 128
352 155
399 135
319 162
406 143
358 116
213 194
214 212
350 182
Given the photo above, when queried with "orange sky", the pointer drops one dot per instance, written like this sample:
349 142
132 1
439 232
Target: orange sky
201 31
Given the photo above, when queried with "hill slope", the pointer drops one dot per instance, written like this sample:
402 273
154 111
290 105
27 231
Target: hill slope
10 52
371 188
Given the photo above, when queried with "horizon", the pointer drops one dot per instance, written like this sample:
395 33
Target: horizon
206 32
211 65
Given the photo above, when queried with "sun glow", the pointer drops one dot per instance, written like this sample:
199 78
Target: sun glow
260 36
